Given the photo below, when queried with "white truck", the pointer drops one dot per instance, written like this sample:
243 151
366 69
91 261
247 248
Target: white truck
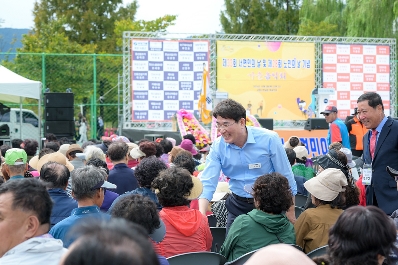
11 127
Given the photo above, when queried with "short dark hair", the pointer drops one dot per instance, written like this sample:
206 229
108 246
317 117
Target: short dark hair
64 140
159 149
116 241
45 151
189 136
173 185
16 143
184 160
30 146
272 193
230 109
4 149
50 137
373 99
96 162
117 151
138 209
147 170
338 202
291 155
294 141
54 175
52 145
167 145
148 148
360 234
29 194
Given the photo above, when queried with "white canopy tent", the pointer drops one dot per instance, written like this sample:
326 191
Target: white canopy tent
14 88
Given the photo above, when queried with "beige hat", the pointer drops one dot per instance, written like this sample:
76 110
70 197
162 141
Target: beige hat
73 147
136 153
327 185
131 146
287 143
196 190
221 190
301 152
54 157
63 149
33 161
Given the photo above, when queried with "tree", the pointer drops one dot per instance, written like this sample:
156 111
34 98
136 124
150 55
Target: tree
322 18
260 16
368 18
85 21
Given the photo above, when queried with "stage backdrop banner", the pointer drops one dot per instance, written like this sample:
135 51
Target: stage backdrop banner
166 76
270 79
352 70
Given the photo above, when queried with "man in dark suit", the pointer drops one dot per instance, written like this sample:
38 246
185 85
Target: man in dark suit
380 149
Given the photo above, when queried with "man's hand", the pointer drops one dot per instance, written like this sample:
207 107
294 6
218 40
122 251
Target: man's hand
203 206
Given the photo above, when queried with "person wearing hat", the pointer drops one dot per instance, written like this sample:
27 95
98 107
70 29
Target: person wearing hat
89 183
74 159
356 131
187 145
337 129
187 230
266 224
327 194
132 207
15 164
299 168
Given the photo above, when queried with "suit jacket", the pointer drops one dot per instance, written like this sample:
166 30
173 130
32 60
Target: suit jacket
383 186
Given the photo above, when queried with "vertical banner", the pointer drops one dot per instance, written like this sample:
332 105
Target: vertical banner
166 76
352 70
270 79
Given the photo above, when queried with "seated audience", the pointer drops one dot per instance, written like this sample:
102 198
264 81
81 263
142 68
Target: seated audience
16 143
327 194
71 154
292 142
300 180
52 145
25 208
109 196
30 146
15 164
167 146
146 172
55 176
173 153
217 206
264 225
299 168
88 189
141 211
121 175
110 242
187 230
361 235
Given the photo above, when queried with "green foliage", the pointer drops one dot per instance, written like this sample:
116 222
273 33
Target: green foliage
260 17
157 25
323 28
85 21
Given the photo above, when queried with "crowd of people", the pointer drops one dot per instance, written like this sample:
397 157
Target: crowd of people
121 202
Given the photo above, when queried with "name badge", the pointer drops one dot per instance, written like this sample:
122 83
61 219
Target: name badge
367 174
256 165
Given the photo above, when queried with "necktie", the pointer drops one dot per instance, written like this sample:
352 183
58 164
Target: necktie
372 144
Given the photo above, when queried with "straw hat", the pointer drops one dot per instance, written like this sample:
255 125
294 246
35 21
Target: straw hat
54 157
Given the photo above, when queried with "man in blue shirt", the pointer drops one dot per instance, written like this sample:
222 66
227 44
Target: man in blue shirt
55 176
243 154
88 189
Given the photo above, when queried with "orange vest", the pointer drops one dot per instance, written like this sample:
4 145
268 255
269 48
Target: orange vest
359 131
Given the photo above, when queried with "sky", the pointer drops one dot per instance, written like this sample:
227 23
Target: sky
194 16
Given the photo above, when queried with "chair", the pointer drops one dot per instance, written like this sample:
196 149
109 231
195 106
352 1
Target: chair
297 247
218 234
241 260
298 211
300 200
212 220
318 252
197 258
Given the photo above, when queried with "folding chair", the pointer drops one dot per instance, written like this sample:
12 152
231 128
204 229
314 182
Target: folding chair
197 258
218 234
241 260
318 252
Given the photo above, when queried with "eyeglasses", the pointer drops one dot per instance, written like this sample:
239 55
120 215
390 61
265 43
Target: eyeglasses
224 125
326 114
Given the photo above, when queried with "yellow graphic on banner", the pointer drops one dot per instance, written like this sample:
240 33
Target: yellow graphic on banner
271 79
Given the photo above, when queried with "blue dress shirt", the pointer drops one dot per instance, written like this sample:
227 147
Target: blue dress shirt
263 153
